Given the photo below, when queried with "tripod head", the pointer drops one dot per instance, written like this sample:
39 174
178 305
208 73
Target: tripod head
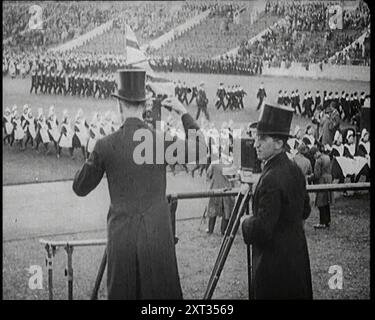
244 176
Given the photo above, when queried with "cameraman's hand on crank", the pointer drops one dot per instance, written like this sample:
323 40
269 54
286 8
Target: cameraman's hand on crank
174 104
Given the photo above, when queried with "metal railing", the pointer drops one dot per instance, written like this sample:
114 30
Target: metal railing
51 246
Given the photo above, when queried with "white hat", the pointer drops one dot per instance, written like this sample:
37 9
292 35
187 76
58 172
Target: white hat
337 135
40 112
349 133
363 133
366 104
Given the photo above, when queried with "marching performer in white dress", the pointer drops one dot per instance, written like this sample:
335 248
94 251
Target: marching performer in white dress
14 111
19 134
8 127
66 135
42 131
24 113
30 128
108 125
80 136
53 127
94 133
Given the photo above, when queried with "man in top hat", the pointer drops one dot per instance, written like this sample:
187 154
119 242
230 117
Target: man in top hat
281 266
140 251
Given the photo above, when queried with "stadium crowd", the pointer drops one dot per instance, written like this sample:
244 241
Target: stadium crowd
60 22
64 21
306 36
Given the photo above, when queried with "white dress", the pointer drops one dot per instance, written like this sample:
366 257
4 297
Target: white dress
66 140
43 131
18 132
54 131
82 134
94 136
8 125
31 127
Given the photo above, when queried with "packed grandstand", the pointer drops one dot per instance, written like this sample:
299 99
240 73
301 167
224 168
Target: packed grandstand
281 32
41 40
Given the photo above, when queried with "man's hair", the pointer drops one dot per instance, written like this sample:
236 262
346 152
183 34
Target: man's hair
284 139
132 104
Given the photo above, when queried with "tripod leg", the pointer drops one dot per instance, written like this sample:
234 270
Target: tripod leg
249 270
232 218
220 261
98 280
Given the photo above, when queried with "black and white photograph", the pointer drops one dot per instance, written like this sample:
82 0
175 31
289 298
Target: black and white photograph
201 150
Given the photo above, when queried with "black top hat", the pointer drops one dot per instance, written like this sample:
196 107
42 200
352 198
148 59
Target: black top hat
132 85
275 120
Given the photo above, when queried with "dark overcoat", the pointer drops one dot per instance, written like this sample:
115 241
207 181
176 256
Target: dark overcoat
141 253
219 206
281 265
323 175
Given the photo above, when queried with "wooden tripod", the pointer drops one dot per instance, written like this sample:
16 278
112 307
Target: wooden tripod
239 208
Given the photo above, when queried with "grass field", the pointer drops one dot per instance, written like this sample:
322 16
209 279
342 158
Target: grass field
347 243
